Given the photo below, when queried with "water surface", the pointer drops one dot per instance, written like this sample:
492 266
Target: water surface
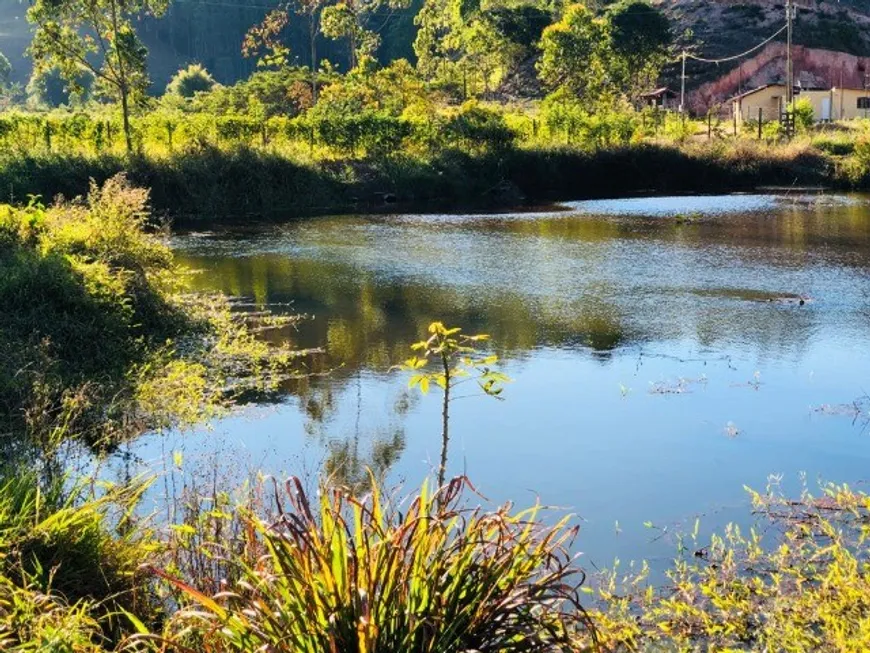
664 352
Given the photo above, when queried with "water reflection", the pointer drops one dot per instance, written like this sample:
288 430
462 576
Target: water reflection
591 308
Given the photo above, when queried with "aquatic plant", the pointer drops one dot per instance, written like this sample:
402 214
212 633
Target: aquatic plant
797 581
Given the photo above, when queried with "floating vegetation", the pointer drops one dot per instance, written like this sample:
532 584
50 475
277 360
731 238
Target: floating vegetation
857 409
678 387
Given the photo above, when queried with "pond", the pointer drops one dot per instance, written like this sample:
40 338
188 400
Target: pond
664 353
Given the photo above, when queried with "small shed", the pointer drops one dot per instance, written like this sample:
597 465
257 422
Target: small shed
768 99
660 98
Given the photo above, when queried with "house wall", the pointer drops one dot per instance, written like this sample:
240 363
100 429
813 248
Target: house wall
843 103
825 104
846 104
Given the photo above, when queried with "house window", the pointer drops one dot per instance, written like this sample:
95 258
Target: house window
864 102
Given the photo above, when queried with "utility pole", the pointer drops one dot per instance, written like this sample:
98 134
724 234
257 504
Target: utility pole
789 66
683 86
788 118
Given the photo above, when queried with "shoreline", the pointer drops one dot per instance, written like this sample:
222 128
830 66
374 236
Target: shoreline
215 186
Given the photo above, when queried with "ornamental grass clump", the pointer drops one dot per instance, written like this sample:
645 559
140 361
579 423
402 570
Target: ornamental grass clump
346 575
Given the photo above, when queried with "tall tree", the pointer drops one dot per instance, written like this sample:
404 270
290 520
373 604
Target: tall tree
576 55
641 39
485 38
96 36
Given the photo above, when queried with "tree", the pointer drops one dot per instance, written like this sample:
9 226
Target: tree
458 39
455 359
189 81
576 54
95 36
266 39
641 39
344 21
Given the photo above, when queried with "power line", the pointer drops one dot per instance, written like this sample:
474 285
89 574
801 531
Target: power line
742 54
755 48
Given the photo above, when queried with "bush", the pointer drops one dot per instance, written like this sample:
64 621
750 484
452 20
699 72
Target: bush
352 576
477 128
799 581
189 81
93 308
66 572
804 116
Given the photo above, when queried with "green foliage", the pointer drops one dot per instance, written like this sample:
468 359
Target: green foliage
797 582
102 343
71 34
773 131
455 355
32 620
189 81
476 128
273 92
575 54
680 128
804 117
641 38
476 45
69 563
455 358
566 117
355 575
47 88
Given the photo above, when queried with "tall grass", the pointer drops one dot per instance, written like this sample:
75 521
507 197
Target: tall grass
69 561
350 575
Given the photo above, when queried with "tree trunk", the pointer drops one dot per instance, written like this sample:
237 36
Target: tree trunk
125 109
312 27
445 418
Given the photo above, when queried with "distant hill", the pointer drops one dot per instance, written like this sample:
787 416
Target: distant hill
721 28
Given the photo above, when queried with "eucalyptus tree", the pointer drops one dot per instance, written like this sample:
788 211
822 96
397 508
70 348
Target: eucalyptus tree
95 36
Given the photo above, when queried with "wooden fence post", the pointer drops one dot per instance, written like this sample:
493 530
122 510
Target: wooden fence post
760 119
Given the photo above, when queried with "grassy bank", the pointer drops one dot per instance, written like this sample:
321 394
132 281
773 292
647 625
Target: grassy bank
277 571
242 182
99 341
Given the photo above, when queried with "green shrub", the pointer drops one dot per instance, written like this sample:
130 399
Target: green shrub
798 581
94 308
804 116
69 562
189 81
477 128
354 576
